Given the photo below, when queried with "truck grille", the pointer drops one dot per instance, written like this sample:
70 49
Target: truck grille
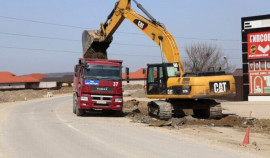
101 98
102 89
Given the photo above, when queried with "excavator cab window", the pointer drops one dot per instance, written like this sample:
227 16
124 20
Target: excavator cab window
172 69
156 79
152 75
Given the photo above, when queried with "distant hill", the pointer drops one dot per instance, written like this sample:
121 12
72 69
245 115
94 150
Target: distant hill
60 74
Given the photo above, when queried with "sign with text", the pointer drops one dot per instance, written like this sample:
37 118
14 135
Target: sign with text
258 45
259 78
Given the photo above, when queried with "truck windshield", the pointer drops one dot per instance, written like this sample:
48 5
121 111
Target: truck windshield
103 72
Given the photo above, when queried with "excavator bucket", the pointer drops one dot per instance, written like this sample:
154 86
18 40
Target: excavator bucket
94 46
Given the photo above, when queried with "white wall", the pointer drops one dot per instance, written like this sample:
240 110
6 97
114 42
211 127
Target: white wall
12 86
133 82
259 98
47 84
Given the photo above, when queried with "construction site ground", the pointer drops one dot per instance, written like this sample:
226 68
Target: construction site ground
228 132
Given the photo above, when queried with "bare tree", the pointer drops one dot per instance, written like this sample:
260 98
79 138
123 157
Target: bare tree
203 57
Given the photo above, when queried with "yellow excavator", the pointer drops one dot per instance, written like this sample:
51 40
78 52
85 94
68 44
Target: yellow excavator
167 81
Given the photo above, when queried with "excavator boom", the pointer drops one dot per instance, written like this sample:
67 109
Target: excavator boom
95 43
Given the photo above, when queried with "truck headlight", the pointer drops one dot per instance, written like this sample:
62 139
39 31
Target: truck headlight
118 100
84 98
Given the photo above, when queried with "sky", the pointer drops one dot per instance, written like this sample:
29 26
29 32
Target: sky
45 36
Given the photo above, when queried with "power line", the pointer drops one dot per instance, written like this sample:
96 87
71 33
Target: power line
138 45
33 36
66 39
155 56
66 51
80 27
74 40
74 52
42 22
208 39
37 49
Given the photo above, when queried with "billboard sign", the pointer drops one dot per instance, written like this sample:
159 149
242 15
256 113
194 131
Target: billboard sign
258 45
259 78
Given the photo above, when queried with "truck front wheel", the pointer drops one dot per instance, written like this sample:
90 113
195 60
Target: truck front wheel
78 111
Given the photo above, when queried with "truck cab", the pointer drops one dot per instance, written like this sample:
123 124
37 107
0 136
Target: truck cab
97 85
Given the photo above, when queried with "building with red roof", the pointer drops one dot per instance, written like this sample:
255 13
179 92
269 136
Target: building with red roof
11 81
137 75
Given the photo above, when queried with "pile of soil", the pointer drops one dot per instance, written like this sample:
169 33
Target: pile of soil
132 87
20 95
138 112
139 94
261 125
130 106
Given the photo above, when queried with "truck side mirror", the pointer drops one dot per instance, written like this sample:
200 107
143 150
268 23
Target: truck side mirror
143 71
76 68
127 74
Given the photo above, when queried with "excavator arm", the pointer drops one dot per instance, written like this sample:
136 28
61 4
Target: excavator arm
190 92
95 43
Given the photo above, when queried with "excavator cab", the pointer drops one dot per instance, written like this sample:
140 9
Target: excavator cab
157 77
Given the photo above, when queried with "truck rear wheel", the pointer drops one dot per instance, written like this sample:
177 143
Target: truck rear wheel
74 104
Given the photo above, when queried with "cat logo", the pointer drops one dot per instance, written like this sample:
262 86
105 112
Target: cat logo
220 87
253 49
142 25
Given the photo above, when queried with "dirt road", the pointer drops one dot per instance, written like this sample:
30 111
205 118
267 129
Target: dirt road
48 128
259 109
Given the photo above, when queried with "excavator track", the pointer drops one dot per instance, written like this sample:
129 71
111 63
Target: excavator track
213 109
160 109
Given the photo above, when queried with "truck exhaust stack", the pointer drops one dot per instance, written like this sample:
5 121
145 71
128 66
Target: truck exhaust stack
94 46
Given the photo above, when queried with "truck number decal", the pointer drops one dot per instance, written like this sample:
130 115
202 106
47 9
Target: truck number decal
115 84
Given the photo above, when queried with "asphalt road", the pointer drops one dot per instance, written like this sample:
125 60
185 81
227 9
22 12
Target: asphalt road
47 128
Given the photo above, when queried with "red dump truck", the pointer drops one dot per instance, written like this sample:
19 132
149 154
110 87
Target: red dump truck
98 85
